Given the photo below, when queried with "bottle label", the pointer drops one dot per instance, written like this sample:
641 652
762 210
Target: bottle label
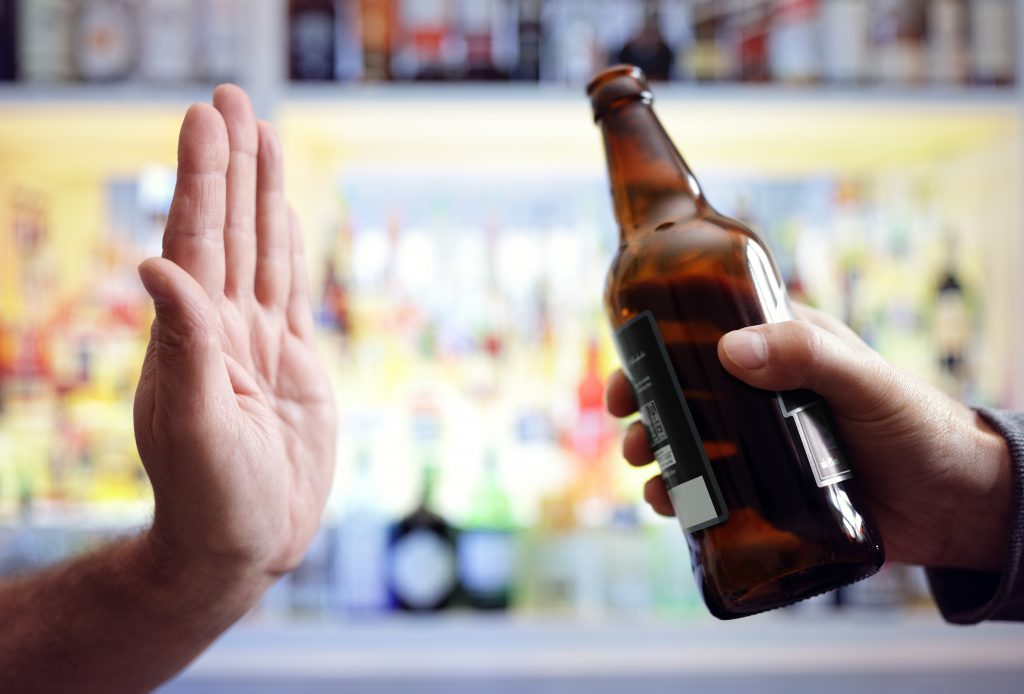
811 417
422 569
486 560
673 436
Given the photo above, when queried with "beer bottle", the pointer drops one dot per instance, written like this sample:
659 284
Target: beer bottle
758 479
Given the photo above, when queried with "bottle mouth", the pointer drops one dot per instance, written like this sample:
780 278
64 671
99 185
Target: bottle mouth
616 86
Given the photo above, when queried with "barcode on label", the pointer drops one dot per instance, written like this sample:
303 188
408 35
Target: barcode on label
655 427
664 457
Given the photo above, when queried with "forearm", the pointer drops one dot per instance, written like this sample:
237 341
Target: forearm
124 618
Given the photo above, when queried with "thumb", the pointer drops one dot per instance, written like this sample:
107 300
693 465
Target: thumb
855 381
187 343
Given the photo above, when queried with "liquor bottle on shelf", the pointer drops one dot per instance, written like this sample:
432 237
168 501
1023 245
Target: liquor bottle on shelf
429 46
591 434
486 544
422 568
476 25
572 47
992 25
627 562
310 581
348 47
359 551
528 36
948 36
166 45
708 59
218 40
793 47
8 40
673 590
898 41
952 326
845 32
44 40
6 364
887 591
647 48
106 40
22 553
758 479
753 27
312 40
377 19
548 584
336 302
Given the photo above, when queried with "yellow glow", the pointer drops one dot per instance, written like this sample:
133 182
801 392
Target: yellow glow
777 136
772 138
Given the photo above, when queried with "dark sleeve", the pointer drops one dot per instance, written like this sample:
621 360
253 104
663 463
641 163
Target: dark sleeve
969 597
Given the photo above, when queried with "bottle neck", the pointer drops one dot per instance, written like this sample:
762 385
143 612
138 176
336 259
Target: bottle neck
651 184
429 485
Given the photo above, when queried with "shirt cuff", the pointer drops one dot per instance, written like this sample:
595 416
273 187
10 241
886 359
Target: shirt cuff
969 597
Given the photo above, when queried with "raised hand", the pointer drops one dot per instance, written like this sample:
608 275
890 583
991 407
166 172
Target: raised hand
234 415
936 476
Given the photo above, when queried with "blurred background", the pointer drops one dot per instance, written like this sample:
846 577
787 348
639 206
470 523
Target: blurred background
443 160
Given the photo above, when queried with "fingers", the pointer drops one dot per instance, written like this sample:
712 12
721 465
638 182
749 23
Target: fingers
636 447
273 253
619 396
300 316
830 323
240 218
187 339
856 382
656 495
194 235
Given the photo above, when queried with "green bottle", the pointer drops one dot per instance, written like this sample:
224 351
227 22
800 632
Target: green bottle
486 547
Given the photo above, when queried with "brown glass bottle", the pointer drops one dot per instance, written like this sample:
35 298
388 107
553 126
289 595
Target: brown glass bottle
757 478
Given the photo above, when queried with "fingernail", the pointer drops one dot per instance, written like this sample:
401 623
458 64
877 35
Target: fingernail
154 284
746 349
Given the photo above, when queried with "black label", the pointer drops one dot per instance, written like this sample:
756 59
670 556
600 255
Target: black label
691 484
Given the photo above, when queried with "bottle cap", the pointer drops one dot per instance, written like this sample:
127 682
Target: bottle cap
616 86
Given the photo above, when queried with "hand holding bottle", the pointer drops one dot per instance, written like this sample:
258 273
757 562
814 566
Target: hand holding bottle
234 416
936 477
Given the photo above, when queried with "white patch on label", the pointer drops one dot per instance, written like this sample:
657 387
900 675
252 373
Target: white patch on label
692 503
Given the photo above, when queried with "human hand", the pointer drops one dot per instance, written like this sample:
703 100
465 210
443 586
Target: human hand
936 477
234 417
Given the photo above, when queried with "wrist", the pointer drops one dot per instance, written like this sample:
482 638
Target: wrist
192 579
983 508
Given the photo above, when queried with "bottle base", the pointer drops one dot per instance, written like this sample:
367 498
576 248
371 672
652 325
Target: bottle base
787 589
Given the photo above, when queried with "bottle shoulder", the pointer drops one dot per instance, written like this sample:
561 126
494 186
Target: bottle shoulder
709 238
423 518
695 261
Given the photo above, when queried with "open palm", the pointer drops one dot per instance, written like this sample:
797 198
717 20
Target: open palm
234 415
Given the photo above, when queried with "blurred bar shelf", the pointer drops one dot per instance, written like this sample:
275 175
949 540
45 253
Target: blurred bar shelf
132 93
923 96
119 93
